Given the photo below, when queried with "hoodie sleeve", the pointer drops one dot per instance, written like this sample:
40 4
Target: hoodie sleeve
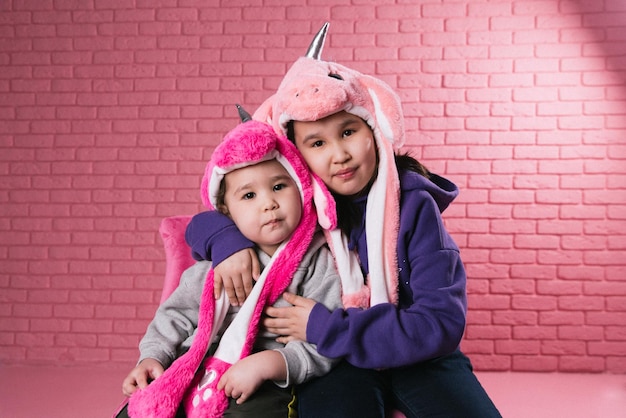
171 331
430 318
214 236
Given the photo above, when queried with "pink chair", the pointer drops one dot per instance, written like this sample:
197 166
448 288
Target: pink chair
177 252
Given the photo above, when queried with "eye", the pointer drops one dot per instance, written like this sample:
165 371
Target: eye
347 132
317 144
279 186
248 196
337 76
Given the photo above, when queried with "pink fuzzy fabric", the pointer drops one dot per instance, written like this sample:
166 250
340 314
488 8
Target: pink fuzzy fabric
177 253
163 396
307 93
204 386
248 143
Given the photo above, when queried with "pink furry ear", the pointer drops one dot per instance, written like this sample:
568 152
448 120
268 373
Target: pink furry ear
265 113
387 110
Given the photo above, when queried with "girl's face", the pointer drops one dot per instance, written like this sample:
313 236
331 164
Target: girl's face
264 202
340 149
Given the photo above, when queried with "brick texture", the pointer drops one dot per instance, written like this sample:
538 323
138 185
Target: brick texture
110 109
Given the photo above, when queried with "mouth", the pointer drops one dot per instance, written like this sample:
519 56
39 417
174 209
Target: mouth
273 222
345 173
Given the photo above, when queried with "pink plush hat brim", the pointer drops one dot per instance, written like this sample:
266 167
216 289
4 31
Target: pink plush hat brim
247 144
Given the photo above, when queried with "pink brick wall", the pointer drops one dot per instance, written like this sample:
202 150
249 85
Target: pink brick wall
109 110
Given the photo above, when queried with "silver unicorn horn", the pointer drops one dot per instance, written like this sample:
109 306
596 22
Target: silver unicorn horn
243 115
315 49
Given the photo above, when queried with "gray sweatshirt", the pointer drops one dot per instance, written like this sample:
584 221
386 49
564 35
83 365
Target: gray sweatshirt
171 332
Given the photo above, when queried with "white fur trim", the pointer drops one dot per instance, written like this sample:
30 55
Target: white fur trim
347 263
234 338
221 307
321 203
374 213
383 122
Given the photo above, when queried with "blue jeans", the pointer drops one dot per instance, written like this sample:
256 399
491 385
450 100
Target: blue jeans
445 387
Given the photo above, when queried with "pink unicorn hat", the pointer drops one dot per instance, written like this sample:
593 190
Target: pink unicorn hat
313 89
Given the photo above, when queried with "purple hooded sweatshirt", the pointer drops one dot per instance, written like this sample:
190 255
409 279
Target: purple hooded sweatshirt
428 321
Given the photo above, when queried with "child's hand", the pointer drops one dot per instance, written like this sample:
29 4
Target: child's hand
243 378
236 275
139 377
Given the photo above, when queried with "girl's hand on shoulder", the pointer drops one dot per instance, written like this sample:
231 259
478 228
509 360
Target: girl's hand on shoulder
236 276
289 322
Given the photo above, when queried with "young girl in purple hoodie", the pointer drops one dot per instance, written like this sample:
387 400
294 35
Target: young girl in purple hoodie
403 281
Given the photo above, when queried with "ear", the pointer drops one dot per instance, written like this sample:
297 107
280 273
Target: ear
264 112
387 110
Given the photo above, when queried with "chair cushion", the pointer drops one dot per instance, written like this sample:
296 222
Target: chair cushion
177 252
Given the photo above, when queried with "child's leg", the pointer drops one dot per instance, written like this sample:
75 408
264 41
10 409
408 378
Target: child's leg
123 413
345 392
445 386
269 401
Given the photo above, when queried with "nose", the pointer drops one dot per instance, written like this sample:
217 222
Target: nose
340 153
270 203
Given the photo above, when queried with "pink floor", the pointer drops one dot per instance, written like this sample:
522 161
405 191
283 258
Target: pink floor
95 391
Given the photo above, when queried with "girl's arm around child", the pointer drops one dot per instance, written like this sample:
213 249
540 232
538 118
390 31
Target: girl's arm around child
214 236
430 317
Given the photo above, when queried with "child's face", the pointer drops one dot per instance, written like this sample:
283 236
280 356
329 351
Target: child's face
264 202
340 149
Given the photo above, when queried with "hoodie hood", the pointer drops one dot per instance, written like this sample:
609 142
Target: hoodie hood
441 189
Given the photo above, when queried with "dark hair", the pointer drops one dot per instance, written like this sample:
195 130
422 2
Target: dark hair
291 134
405 162
220 198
